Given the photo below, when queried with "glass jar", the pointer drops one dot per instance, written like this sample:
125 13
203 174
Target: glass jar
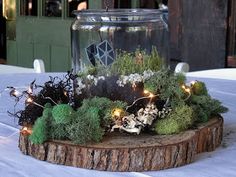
98 35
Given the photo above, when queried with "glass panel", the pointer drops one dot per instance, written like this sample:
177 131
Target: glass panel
28 7
76 5
53 8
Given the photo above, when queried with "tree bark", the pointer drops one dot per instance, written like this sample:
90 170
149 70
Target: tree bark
119 152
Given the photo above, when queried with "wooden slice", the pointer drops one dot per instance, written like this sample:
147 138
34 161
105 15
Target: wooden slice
119 152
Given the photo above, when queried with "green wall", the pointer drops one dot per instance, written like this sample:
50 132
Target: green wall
47 38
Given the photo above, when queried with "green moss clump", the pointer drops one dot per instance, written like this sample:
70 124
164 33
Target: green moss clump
92 120
180 78
86 127
205 107
62 113
40 131
179 120
58 131
104 106
41 127
167 85
199 88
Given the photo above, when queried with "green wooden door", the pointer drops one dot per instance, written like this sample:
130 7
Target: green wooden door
40 32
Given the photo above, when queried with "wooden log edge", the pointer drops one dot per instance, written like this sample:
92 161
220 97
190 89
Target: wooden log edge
130 153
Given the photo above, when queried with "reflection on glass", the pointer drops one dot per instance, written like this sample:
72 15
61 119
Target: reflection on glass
28 7
76 5
53 8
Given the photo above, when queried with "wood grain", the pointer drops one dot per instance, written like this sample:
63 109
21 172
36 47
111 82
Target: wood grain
119 152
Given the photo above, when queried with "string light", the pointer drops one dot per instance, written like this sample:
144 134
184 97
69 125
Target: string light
30 100
30 91
146 92
192 83
16 93
26 131
187 90
50 98
117 112
151 95
65 93
134 86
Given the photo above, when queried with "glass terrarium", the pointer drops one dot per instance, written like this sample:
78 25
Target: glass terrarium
99 35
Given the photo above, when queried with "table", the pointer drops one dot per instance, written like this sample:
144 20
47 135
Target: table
220 163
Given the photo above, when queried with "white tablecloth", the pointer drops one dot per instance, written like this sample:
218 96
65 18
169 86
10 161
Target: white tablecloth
220 163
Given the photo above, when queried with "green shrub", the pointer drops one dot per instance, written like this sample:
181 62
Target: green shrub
180 119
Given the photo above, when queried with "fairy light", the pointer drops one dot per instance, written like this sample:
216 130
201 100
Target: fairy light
26 131
192 83
187 90
30 91
31 101
151 95
65 93
117 113
134 86
146 92
16 93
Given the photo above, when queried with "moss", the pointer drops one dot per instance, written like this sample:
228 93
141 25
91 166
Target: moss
40 131
179 120
47 112
167 85
41 128
58 131
104 106
62 113
86 127
199 88
127 63
205 107
180 78
93 118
